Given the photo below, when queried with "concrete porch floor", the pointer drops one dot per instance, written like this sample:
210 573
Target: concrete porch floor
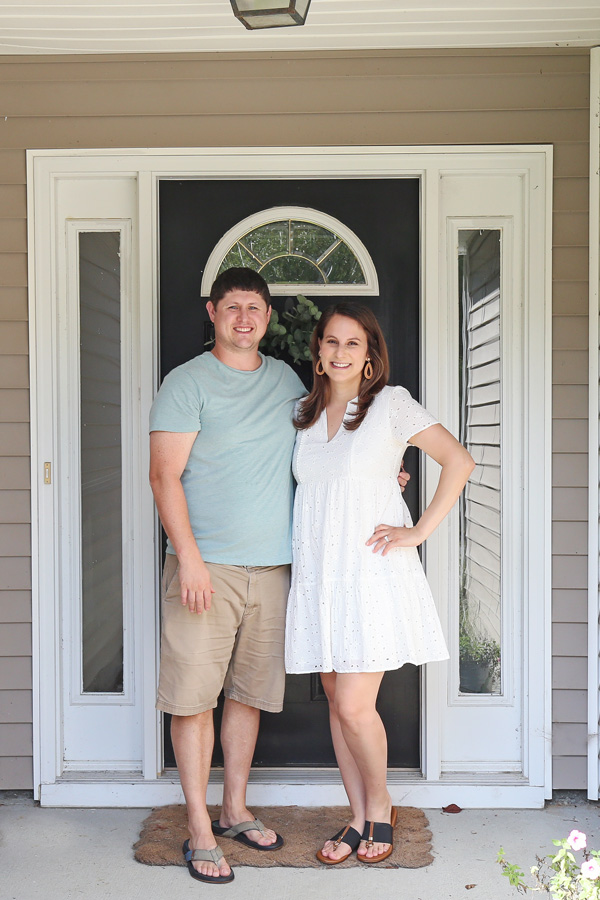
86 853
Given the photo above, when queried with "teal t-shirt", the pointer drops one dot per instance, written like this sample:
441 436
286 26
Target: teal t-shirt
237 482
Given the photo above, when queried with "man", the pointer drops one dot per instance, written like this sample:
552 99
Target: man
220 451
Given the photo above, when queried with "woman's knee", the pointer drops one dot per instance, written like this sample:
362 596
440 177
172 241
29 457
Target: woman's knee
354 712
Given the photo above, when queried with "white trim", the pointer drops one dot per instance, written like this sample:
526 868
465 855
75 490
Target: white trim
432 678
538 544
278 162
36 481
299 214
45 167
148 560
313 790
469 770
181 27
594 535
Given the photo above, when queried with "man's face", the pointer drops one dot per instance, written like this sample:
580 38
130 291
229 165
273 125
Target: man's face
240 319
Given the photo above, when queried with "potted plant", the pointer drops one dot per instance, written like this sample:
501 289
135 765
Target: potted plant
479 663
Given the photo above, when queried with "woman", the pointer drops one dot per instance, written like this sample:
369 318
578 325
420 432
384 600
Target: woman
359 602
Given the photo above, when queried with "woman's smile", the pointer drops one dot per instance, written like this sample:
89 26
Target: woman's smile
343 349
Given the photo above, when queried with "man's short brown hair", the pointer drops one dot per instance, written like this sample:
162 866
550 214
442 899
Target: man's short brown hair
239 279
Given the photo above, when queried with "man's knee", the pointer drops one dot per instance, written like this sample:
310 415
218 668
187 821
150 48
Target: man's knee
198 720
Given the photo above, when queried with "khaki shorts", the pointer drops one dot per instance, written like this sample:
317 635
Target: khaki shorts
236 646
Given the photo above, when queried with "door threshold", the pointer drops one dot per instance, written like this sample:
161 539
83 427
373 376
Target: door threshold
307 776
75 776
308 787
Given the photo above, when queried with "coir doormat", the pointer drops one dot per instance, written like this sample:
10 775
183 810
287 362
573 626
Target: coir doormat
304 830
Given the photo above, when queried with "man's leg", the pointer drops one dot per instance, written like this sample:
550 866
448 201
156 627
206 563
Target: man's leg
195 653
255 680
239 730
193 739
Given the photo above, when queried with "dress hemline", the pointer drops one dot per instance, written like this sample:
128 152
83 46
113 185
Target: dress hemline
365 671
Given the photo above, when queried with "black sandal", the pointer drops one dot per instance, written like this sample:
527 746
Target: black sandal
347 835
379 833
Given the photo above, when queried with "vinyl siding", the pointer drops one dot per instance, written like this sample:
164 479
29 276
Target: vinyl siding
15 534
318 98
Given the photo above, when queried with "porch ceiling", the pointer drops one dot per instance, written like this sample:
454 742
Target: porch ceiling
126 26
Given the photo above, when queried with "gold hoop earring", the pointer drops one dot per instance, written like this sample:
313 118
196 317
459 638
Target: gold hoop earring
320 371
368 369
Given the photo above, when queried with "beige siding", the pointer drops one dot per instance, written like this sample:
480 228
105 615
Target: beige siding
15 533
314 98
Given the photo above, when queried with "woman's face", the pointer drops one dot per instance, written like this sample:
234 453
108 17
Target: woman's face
344 350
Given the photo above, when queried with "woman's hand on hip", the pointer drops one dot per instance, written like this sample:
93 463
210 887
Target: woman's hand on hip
388 537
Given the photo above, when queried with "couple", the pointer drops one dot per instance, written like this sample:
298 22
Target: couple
223 428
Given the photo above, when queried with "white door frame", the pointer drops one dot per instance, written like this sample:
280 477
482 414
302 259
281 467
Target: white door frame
593 762
439 170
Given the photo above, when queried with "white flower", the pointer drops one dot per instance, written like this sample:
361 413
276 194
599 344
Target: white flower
591 869
577 840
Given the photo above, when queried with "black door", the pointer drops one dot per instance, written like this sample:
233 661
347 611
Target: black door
384 214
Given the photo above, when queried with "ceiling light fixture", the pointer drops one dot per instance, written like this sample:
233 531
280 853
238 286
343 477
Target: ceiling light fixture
270 13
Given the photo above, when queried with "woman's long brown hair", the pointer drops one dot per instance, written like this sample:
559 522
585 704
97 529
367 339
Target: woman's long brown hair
312 406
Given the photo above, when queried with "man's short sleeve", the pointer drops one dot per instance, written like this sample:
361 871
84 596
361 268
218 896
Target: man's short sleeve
407 417
178 404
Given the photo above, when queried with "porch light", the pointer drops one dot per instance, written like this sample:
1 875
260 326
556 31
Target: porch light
270 13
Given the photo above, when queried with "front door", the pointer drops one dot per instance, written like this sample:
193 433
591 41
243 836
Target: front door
384 214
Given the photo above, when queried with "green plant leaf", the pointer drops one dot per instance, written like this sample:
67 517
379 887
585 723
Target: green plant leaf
288 335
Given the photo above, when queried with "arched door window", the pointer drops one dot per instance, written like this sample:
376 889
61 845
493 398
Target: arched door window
296 250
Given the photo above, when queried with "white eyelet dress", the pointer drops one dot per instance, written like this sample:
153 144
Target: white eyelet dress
349 609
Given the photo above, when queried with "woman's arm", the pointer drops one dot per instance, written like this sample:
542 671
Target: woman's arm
457 464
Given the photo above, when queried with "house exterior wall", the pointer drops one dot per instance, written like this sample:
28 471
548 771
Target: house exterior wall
326 98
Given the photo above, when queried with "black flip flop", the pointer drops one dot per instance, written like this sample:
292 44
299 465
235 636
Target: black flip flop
237 833
215 856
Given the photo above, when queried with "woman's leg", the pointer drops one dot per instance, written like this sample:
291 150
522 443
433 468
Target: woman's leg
365 738
348 769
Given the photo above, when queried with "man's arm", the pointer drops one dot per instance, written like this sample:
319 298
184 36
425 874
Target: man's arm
169 452
403 477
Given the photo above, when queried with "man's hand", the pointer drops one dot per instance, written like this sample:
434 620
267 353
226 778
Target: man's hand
403 477
196 587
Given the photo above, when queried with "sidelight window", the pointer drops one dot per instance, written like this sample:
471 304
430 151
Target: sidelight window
480 424
101 470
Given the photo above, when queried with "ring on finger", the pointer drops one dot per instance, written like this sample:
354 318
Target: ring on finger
386 538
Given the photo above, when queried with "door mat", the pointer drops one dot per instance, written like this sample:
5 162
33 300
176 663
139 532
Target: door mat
304 829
